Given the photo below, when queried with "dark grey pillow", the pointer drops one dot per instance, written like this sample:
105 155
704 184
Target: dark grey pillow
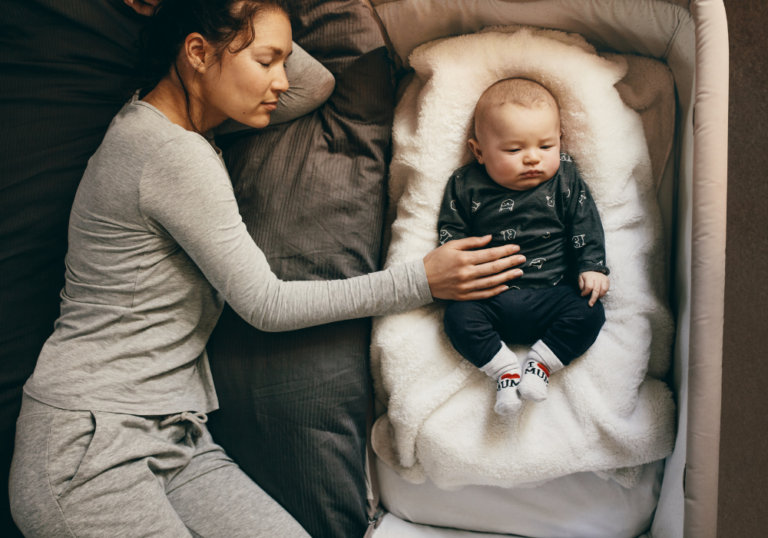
312 193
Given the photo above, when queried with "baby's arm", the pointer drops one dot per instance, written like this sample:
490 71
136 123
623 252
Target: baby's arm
587 242
453 222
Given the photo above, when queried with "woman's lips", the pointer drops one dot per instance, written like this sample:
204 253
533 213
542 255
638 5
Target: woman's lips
270 105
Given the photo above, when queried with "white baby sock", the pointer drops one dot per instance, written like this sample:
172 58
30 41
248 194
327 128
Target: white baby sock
539 365
505 369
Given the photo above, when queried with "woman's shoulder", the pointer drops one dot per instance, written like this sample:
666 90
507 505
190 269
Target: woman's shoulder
140 136
141 129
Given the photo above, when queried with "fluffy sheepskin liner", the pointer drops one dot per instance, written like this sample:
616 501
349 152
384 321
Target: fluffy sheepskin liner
608 411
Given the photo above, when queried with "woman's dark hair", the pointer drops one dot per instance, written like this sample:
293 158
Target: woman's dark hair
218 21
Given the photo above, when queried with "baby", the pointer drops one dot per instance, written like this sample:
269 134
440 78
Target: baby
522 190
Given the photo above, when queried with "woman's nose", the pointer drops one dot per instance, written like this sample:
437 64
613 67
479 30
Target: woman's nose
280 83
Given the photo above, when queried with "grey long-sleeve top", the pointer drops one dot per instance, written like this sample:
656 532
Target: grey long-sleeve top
156 245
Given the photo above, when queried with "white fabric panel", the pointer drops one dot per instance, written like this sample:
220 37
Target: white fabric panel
669 519
577 505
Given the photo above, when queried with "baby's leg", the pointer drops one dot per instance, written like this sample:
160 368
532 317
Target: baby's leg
470 326
573 331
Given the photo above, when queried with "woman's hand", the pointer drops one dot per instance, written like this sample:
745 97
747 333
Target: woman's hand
457 273
143 7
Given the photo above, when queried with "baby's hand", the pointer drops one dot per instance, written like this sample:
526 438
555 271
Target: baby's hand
595 283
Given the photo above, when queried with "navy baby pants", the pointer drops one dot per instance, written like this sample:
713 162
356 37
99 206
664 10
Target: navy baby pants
560 317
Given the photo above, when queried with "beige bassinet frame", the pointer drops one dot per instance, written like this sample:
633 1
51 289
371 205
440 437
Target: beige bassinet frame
692 196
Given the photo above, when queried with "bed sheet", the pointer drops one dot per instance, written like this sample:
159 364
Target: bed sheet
580 505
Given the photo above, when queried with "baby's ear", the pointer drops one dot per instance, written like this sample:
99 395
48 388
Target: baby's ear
474 145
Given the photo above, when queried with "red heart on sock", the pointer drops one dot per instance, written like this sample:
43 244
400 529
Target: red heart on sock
543 368
510 376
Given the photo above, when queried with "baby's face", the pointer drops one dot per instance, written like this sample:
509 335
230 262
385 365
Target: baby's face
520 147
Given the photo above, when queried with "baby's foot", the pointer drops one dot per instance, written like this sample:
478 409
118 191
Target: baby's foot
539 365
507 399
505 369
535 381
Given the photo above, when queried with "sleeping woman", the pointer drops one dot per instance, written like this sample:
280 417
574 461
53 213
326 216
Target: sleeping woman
111 440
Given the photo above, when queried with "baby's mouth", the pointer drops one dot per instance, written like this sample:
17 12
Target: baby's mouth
532 173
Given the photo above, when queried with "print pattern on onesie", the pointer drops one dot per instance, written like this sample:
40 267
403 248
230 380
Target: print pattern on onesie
508 235
556 223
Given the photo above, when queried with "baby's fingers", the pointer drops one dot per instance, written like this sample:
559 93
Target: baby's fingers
604 288
586 286
595 295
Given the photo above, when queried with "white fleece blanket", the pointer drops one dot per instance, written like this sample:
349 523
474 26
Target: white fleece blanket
607 411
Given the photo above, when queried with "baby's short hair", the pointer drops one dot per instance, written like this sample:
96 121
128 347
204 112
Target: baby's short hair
516 91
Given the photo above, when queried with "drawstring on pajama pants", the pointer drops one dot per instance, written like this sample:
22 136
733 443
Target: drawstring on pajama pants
196 419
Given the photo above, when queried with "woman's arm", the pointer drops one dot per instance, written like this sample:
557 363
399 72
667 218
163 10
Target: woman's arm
186 193
310 85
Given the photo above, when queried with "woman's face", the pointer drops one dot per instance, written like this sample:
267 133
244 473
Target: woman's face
246 86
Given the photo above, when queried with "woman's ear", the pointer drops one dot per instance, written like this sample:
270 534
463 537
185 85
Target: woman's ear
474 145
196 52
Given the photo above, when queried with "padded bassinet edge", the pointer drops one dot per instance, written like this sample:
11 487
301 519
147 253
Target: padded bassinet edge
710 176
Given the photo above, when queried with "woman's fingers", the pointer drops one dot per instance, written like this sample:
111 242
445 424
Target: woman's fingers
490 254
484 294
497 266
493 281
468 243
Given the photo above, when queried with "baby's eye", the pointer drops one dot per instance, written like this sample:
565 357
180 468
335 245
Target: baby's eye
545 147
513 150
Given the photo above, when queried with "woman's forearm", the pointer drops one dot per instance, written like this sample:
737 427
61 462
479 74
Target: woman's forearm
186 193
294 305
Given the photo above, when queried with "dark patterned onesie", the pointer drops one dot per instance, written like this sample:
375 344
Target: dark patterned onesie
558 228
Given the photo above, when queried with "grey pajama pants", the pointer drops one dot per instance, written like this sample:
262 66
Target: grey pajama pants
95 474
